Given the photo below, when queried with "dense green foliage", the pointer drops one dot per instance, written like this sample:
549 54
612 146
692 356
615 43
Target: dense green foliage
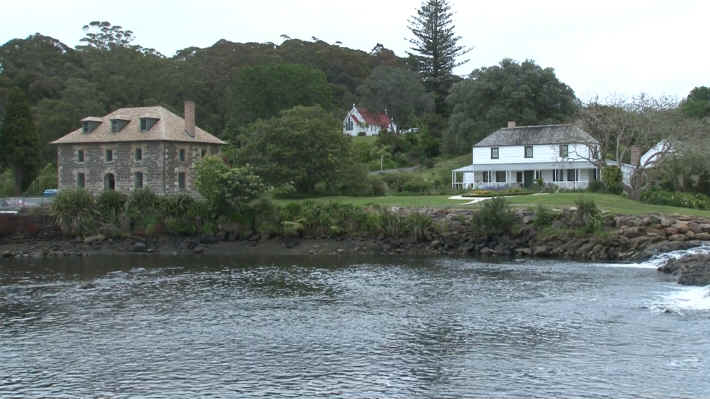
109 71
229 191
19 142
436 49
697 104
303 146
675 198
491 96
262 91
400 92
494 218
75 211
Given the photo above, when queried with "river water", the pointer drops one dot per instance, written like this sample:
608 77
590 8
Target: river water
323 327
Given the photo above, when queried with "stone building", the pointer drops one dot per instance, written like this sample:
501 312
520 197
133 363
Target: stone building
131 148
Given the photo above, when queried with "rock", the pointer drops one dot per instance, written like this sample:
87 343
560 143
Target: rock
632 232
485 251
209 239
681 227
94 238
523 251
527 219
198 249
87 286
705 228
7 254
540 250
677 237
703 236
691 269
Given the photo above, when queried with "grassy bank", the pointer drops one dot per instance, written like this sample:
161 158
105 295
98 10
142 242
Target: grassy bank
607 202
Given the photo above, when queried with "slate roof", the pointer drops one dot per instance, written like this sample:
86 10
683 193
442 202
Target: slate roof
169 127
541 134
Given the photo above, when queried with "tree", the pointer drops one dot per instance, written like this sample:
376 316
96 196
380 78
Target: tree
642 122
398 91
261 92
491 96
697 104
302 146
228 191
436 48
19 141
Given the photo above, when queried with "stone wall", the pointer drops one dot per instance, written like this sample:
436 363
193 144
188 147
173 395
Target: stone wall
160 165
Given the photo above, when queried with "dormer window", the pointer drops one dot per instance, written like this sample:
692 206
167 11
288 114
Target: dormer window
89 126
117 125
90 123
148 123
494 153
528 151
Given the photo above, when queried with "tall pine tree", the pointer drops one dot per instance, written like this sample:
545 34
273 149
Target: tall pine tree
436 48
19 140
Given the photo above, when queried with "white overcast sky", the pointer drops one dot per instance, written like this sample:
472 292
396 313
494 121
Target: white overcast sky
600 48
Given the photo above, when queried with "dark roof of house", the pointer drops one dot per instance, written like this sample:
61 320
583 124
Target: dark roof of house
541 134
170 127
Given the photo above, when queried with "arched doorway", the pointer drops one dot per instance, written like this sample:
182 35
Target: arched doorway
109 182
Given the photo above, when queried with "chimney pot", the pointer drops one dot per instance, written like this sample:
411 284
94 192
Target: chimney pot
190 118
511 124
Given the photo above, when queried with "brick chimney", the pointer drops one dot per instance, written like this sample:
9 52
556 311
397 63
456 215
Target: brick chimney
511 124
190 118
635 155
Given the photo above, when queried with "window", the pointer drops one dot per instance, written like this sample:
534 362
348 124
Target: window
117 125
80 180
564 150
89 126
181 155
528 151
500 176
139 180
109 182
139 154
557 175
147 124
109 155
519 177
80 156
203 153
181 180
486 177
571 174
494 152
349 124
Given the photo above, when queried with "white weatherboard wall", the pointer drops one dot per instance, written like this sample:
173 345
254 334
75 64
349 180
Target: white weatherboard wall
541 153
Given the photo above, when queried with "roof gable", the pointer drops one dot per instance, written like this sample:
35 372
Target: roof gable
540 134
169 127
364 117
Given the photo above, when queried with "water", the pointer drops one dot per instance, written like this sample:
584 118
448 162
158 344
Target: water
323 327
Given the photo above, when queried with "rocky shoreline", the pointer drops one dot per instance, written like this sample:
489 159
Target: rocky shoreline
623 238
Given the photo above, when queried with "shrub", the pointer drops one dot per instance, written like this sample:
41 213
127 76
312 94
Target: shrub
494 218
543 216
110 205
47 178
612 178
676 198
142 209
182 214
587 216
596 186
74 211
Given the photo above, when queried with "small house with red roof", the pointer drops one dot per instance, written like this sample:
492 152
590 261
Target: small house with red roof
361 122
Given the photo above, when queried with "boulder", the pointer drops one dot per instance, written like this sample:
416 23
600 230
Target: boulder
139 246
691 269
677 237
94 238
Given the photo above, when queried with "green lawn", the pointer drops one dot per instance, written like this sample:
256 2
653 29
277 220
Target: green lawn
607 202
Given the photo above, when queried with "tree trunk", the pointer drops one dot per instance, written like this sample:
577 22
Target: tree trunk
19 180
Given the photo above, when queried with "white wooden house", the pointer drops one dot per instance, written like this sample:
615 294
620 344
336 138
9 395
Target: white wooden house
519 156
361 122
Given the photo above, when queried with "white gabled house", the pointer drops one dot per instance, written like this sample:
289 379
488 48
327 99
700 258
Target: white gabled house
520 156
361 122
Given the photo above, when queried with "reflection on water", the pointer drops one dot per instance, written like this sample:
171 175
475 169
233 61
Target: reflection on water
345 327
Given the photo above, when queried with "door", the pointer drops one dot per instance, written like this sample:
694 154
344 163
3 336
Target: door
529 178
